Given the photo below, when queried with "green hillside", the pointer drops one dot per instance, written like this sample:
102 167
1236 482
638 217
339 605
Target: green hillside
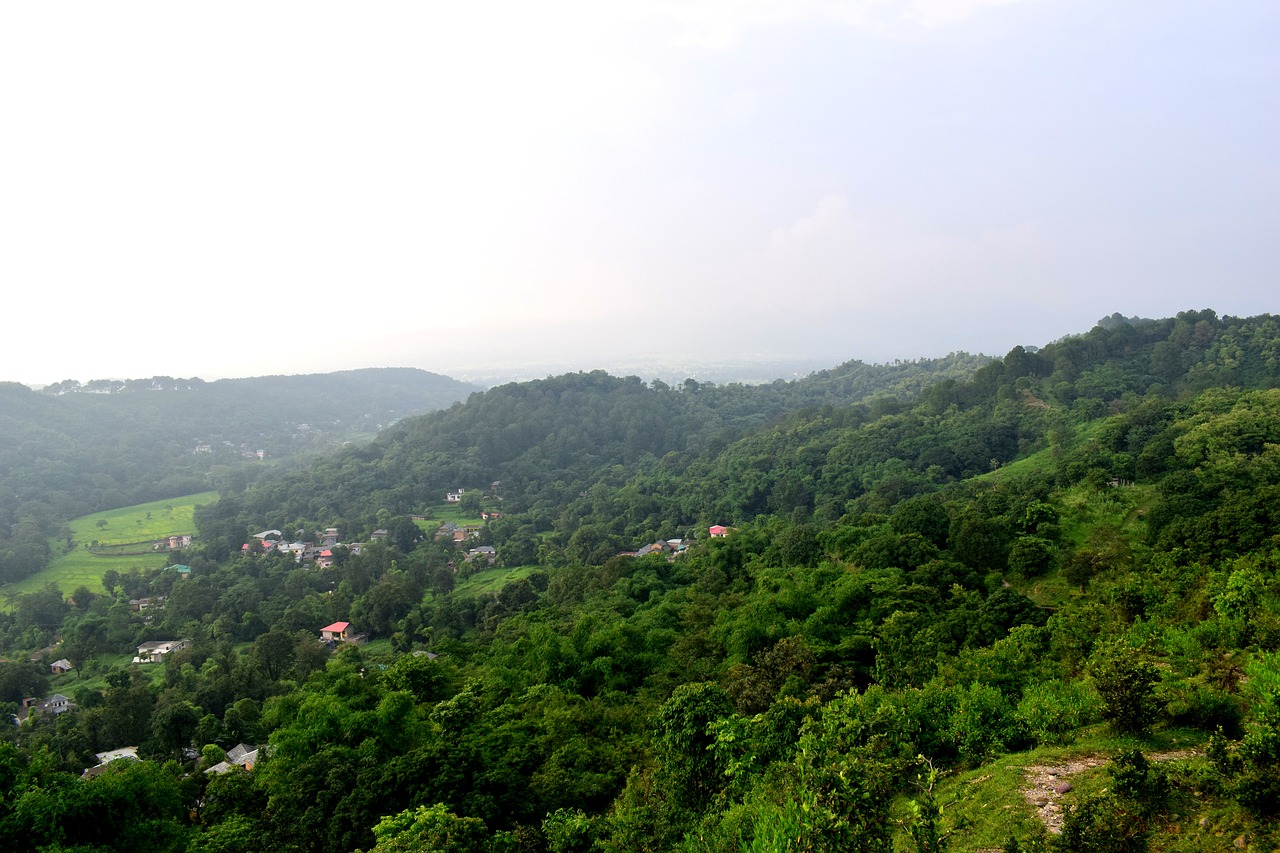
121 539
1037 608
70 449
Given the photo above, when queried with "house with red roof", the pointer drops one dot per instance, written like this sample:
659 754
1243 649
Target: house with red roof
718 531
338 632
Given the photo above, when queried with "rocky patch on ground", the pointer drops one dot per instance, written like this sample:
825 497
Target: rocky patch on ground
1047 784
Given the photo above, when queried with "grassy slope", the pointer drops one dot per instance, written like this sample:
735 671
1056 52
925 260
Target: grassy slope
490 581
141 525
986 806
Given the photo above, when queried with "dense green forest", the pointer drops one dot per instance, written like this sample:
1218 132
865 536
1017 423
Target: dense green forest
936 586
69 449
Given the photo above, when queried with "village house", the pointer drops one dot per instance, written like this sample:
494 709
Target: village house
338 632
455 497
55 705
240 755
482 554
718 531
655 548
61 667
672 548
302 551
155 650
28 706
124 753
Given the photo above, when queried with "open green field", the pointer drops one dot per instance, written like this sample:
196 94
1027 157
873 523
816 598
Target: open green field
490 581
434 516
123 538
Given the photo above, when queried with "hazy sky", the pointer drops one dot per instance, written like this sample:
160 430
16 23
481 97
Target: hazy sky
239 189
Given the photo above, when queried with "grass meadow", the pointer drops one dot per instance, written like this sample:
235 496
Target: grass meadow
490 581
434 516
119 539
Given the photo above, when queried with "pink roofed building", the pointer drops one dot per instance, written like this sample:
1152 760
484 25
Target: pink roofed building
338 632
718 531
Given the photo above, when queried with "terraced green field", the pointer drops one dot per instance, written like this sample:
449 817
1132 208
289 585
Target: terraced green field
120 539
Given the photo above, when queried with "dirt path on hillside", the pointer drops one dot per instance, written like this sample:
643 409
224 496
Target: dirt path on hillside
1047 784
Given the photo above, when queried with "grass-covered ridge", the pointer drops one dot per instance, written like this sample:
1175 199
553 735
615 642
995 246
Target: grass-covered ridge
122 539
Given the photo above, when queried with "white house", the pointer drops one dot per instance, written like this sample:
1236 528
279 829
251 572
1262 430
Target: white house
154 651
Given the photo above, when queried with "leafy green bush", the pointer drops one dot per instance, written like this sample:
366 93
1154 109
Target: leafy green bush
1102 823
1203 707
984 723
1127 684
1054 710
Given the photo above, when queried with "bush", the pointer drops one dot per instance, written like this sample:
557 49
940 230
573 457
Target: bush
1054 710
984 724
1127 684
1204 708
1139 783
1030 556
1102 823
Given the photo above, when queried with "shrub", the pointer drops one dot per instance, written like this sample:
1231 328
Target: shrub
1102 823
1127 684
984 723
1054 710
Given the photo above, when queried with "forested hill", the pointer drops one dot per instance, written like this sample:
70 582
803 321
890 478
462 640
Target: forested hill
614 460
69 449
547 440
1033 608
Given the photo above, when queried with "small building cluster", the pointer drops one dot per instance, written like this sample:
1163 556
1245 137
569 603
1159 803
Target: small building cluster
458 534
173 543
241 755
671 548
320 554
